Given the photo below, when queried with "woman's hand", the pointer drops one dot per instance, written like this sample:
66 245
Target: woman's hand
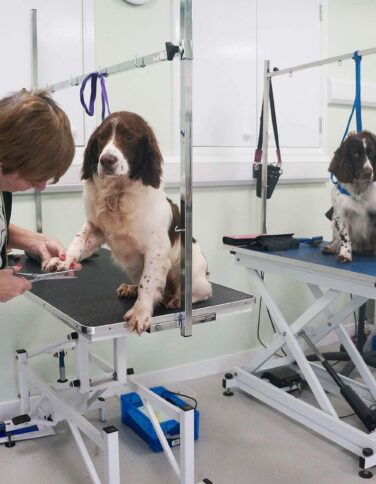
47 247
12 285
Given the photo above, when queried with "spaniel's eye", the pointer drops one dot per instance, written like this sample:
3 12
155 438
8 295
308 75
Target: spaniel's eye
129 136
357 155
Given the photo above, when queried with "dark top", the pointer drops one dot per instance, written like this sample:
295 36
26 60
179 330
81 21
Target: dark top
91 299
8 210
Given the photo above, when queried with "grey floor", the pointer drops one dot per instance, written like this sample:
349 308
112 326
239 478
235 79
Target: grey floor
241 441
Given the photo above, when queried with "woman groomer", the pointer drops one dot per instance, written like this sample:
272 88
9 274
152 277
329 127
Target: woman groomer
36 145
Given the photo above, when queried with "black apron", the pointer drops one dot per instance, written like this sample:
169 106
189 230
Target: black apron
7 197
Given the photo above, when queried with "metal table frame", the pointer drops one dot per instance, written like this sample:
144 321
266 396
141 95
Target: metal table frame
324 418
70 400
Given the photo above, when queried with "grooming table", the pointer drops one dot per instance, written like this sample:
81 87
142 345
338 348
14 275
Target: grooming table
89 303
318 271
90 307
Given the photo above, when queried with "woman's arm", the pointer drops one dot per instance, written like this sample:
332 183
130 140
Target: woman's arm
43 245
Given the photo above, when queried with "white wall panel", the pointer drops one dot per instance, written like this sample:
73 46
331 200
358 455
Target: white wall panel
60 50
224 73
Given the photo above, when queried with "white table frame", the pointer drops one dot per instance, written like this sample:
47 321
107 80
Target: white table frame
72 400
324 418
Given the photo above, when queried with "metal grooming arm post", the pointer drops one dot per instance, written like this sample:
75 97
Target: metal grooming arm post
34 85
264 168
186 166
289 70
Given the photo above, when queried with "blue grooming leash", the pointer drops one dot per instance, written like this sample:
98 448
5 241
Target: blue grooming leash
339 186
357 106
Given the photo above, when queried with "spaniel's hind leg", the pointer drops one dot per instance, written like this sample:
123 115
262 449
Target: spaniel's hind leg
127 290
332 248
171 296
172 301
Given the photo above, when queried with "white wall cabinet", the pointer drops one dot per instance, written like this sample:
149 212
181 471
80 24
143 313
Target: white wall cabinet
231 41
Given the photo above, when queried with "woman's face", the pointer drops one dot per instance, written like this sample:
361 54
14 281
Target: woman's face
13 182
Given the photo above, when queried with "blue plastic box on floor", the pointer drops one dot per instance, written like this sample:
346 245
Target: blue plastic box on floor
135 416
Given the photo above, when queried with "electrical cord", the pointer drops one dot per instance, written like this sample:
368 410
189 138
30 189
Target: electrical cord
355 320
271 322
180 395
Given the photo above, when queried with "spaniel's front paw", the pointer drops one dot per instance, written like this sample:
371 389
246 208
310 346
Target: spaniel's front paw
344 257
55 264
138 318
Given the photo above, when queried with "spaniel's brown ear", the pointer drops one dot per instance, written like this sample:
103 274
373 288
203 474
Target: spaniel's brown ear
336 160
371 150
341 166
149 160
371 137
90 163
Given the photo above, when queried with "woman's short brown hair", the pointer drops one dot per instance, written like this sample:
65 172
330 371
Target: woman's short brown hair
35 136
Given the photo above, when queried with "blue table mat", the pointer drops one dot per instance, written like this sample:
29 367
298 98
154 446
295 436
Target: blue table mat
361 264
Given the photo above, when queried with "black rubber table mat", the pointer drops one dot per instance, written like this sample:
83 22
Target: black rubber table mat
91 299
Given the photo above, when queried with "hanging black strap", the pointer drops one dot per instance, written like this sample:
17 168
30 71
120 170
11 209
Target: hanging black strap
258 152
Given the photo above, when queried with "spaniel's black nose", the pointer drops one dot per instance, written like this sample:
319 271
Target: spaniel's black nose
108 161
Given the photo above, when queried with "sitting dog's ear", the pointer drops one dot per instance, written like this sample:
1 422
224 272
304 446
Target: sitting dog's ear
371 151
148 166
90 163
336 160
341 166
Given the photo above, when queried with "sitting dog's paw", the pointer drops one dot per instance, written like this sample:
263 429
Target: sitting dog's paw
127 290
55 264
173 302
138 318
344 257
328 250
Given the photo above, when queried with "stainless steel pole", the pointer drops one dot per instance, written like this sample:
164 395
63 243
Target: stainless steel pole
34 85
264 168
186 165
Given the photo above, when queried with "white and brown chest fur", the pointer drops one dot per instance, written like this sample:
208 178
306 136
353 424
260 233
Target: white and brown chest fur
354 217
133 218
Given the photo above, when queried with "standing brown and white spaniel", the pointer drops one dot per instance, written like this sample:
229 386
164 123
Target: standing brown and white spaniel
127 208
354 197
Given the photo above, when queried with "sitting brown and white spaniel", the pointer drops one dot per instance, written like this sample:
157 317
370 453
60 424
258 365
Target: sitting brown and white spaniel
354 197
127 208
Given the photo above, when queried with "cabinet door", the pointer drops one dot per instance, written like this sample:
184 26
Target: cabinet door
60 50
231 41
224 72
289 33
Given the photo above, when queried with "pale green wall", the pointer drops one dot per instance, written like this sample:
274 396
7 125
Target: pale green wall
217 211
